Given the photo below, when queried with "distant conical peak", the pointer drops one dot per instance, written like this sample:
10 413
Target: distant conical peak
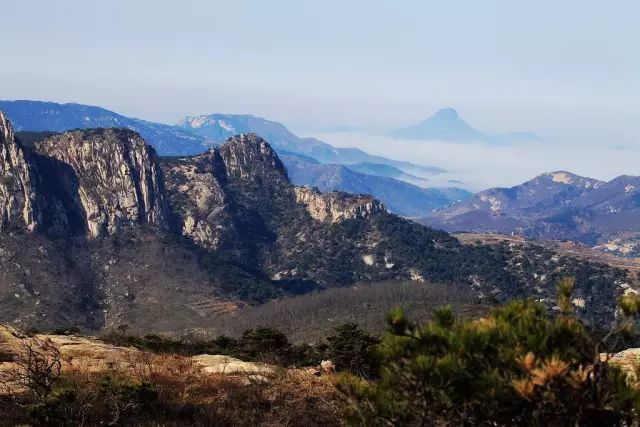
447 113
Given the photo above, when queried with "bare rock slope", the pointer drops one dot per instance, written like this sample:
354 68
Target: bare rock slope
99 232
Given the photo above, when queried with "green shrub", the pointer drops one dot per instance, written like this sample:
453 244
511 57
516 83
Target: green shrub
112 401
518 366
353 350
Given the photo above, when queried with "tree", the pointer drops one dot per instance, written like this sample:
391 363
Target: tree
37 366
264 344
353 350
518 366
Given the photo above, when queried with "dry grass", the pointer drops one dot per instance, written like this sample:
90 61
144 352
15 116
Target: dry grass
151 389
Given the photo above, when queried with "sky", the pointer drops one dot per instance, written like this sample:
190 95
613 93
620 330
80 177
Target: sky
569 70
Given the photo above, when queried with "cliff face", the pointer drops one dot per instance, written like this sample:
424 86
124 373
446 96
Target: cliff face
17 198
240 190
335 207
249 157
113 176
199 203
175 241
221 198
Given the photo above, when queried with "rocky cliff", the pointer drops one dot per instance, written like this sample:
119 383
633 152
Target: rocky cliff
200 208
17 198
335 206
103 233
115 175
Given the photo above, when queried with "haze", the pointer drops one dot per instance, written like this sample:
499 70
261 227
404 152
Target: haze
568 71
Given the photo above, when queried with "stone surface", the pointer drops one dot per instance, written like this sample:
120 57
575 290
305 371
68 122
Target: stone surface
335 206
115 175
17 198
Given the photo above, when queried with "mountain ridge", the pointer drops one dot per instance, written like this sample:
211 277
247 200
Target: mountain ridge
554 205
216 127
211 130
447 125
235 232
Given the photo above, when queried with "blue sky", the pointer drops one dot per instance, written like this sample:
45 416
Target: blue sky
569 70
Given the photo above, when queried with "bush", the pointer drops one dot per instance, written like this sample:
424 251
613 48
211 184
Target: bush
515 367
105 401
38 366
174 391
353 350
264 344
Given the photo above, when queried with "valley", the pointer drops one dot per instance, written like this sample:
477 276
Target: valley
116 235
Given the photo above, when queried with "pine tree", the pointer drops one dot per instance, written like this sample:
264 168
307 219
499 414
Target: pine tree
518 366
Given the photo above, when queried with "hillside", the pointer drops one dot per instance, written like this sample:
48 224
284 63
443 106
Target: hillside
97 231
555 206
215 128
195 134
399 197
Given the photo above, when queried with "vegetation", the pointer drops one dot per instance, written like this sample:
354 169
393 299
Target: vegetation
309 318
518 365
349 347
352 350
173 391
515 367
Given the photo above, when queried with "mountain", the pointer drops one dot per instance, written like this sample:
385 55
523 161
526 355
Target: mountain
557 205
388 172
447 125
50 116
195 134
444 125
97 231
400 197
215 128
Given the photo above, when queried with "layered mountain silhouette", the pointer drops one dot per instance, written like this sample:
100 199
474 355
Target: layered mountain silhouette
40 116
447 125
399 197
556 205
98 231
215 128
195 134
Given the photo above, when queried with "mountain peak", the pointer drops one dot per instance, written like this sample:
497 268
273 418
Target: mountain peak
249 155
446 113
564 177
444 125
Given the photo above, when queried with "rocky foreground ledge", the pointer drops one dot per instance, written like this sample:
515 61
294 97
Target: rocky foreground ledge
91 355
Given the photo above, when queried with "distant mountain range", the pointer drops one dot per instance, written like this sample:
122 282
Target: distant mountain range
215 128
399 197
447 125
557 205
53 117
395 183
97 231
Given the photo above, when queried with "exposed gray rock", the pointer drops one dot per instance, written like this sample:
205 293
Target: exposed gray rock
198 199
17 198
117 175
335 207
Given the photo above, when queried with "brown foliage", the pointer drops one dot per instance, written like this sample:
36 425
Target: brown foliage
173 390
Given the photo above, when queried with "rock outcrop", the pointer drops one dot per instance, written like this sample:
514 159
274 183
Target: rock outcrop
249 157
17 198
195 186
115 178
335 207
176 241
209 191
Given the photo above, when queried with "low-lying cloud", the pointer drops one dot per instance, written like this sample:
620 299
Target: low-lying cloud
481 166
